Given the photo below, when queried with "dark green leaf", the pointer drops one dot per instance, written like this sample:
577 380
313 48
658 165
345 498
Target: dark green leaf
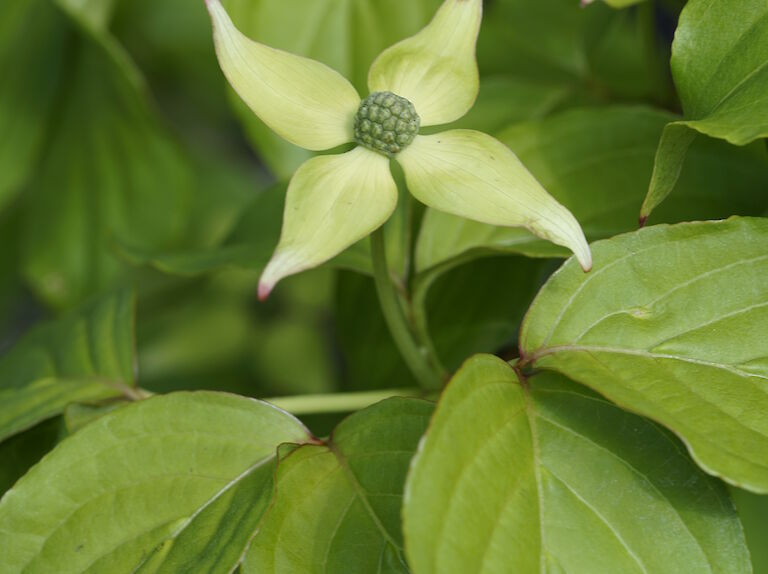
337 507
20 452
33 38
753 511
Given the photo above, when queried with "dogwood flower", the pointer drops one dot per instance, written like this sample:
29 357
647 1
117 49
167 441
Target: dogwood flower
428 79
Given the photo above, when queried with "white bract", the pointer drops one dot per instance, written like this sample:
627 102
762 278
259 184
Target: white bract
334 201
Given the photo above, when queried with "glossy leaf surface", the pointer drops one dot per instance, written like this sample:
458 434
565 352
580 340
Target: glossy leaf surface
671 325
548 477
169 484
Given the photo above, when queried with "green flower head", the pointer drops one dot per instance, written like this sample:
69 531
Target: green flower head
428 79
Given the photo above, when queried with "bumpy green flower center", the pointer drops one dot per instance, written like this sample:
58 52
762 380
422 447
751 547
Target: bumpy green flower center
386 123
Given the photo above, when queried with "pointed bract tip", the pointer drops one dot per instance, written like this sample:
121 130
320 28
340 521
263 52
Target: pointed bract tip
264 290
586 262
642 220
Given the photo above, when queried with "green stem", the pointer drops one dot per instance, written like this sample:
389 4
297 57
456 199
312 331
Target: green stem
416 356
338 402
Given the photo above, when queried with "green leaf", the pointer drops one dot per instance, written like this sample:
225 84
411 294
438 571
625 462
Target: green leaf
249 245
185 479
95 14
337 507
671 325
20 452
346 36
371 360
544 476
597 162
109 171
753 511
721 75
599 52
83 357
721 72
477 307
32 41
505 100
670 155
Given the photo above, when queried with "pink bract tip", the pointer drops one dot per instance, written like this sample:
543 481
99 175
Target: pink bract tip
264 291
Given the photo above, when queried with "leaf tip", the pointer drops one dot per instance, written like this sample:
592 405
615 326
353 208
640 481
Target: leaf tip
642 220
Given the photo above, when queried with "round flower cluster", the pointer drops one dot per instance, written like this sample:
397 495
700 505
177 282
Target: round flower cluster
386 123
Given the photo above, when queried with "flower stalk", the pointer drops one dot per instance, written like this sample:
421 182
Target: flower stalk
415 355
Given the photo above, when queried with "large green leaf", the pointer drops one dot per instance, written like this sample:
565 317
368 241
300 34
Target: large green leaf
175 483
85 356
543 476
32 41
109 171
597 162
671 324
338 505
721 74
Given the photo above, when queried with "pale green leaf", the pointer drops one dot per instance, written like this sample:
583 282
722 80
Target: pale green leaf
332 202
436 69
598 162
85 356
544 476
471 174
337 507
302 100
171 484
671 324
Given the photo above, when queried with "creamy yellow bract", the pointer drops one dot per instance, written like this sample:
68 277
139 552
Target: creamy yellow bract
334 201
